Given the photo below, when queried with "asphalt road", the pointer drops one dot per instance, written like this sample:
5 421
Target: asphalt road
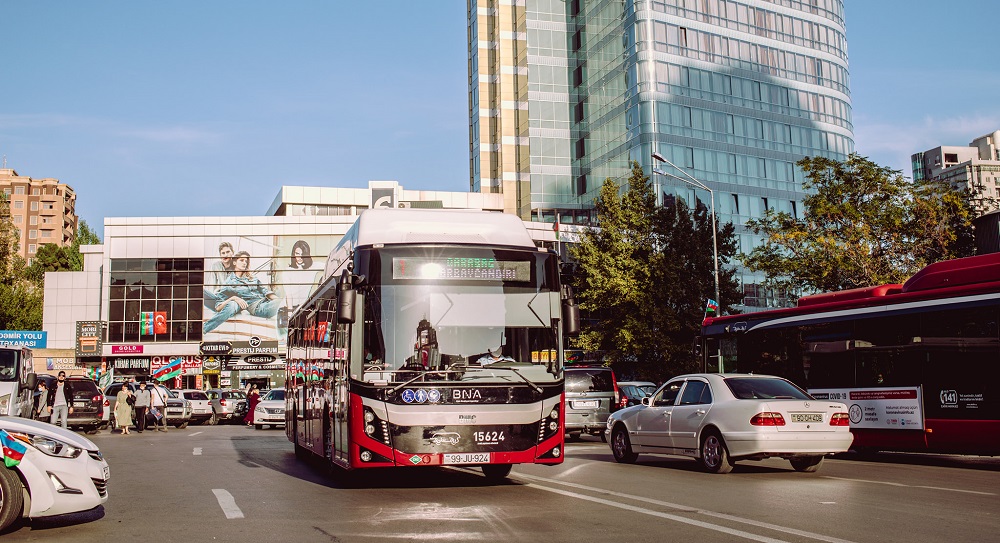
230 483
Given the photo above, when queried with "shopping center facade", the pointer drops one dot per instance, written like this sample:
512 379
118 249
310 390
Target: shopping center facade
153 293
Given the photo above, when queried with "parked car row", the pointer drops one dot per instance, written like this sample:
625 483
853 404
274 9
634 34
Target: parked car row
93 408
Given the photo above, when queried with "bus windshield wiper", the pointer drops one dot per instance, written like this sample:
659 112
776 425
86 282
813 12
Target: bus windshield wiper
420 376
517 373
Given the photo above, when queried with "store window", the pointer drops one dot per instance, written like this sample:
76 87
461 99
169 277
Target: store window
141 285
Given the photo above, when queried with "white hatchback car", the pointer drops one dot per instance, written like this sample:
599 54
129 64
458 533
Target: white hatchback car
63 472
270 410
722 418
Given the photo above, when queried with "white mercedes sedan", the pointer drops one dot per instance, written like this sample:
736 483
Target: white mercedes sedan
722 418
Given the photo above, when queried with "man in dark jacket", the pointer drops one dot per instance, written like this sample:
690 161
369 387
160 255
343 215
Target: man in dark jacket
60 401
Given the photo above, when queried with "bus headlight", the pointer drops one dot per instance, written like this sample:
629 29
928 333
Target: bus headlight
554 414
4 404
553 426
369 416
369 429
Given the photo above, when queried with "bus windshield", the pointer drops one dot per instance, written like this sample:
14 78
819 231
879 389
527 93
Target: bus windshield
489 309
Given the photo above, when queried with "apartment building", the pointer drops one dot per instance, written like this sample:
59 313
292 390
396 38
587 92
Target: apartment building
43 210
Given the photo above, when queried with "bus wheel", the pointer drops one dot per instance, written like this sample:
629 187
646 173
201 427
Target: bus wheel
808 464
496 472
621 446
11 497
714 456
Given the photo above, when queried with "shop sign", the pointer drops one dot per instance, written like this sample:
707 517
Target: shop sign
126 349
131 363
258 359
255 346
212 364
216 348
89 338
189 364
23 338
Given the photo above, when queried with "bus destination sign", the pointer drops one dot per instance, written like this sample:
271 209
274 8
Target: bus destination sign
461 269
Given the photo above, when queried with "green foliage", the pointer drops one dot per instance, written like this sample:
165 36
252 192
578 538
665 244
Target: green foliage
864 225
643 279
22 287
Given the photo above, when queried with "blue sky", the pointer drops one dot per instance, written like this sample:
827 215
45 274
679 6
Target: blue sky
206 108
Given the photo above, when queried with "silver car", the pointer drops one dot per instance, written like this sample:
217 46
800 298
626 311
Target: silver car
722 418
201 406
226 404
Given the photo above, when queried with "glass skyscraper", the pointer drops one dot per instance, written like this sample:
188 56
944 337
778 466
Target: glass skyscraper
564 94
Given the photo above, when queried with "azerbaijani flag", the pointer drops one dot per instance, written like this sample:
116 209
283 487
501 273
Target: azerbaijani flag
712 306
13 450
168 371
146 323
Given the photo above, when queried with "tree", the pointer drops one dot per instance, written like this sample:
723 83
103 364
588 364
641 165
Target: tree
20 300
51 257
864 225
643 279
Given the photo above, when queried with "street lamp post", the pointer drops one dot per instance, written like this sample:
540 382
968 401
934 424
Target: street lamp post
692 181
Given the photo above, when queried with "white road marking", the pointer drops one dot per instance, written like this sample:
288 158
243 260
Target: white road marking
685 508
668 516
228 503
194 434
912 486
197 451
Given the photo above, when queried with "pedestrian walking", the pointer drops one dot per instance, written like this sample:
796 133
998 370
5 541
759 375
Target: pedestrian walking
60 401
39 400
123 409
158 401
142 399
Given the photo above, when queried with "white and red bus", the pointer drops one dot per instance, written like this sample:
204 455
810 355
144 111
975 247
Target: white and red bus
435 339
918 364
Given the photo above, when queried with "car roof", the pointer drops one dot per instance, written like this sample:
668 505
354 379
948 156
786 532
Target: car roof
637 383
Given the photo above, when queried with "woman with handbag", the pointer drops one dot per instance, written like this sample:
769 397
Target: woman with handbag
123 409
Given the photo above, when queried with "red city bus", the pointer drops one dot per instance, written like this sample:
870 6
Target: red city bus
435 339
918 364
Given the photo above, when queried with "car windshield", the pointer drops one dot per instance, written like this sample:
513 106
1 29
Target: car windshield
276 394
589 380
765 388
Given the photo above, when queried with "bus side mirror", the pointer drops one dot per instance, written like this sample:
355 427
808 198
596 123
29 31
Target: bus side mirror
570 312
346 299
30 381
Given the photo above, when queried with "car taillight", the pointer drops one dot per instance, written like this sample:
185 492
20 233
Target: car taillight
840 419
222 402
767 418
97 400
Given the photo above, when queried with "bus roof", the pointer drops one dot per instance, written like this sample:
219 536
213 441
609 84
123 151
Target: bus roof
396 226
949 278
